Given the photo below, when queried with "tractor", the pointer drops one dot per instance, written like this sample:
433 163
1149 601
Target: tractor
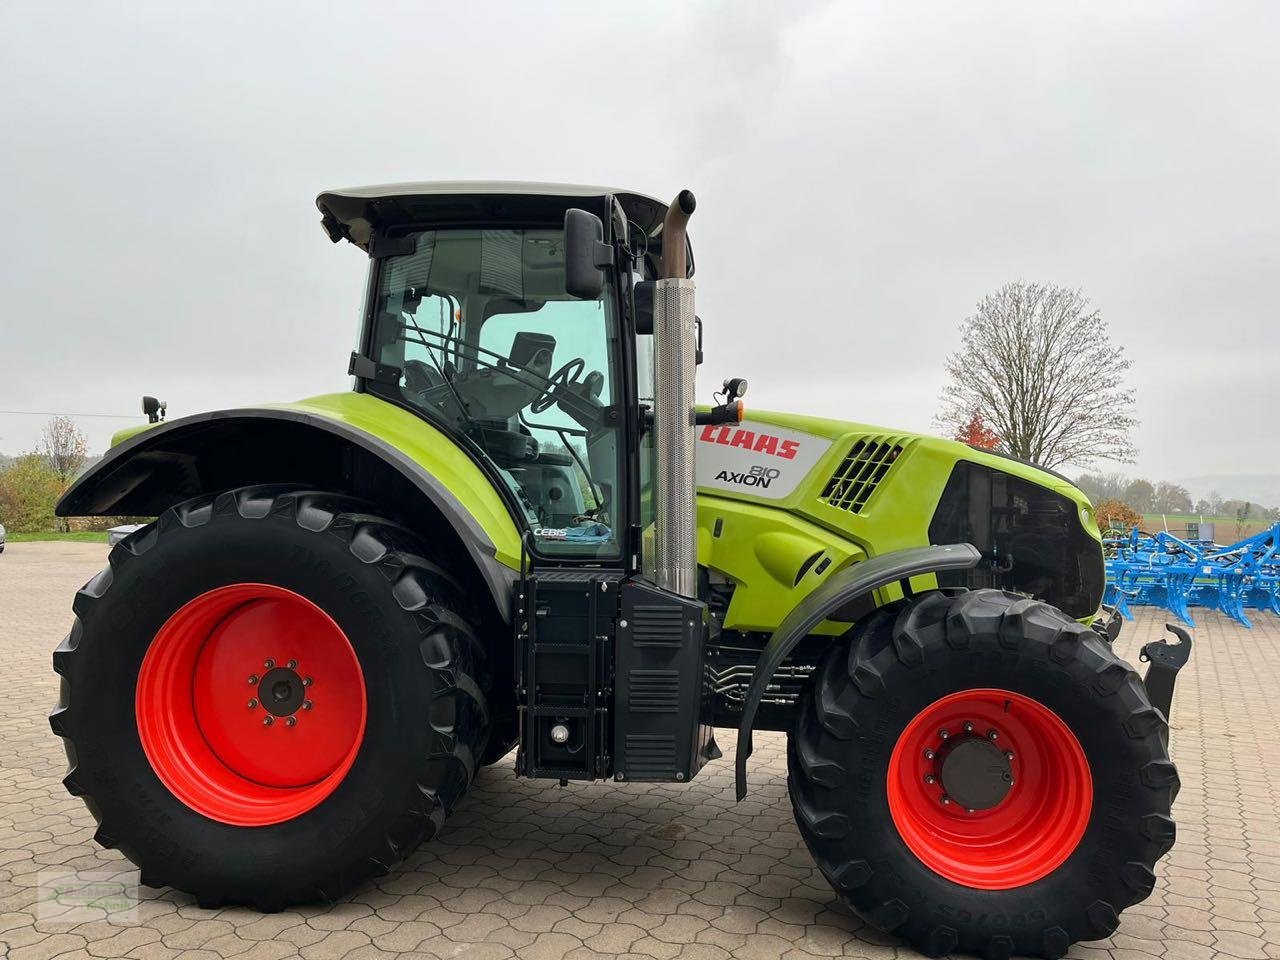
517 531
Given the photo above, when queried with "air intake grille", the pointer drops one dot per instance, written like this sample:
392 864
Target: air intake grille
653 691
650 757
861 471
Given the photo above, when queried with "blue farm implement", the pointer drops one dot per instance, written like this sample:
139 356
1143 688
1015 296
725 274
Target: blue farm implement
1162 570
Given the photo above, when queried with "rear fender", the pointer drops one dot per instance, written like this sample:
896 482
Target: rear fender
347 443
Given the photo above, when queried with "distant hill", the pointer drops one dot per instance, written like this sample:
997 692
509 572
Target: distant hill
1260 488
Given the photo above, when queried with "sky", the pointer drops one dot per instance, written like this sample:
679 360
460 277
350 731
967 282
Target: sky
865 172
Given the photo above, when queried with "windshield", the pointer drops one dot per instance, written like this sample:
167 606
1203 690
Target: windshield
492 348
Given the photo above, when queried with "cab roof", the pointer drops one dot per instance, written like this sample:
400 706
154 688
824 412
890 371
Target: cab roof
355 213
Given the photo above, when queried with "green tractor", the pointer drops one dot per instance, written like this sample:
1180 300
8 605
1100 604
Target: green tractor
518 532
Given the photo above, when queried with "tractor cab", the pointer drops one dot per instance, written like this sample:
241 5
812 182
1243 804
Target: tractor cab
469 323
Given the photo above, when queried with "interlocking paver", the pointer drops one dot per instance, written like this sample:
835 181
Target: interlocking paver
659 872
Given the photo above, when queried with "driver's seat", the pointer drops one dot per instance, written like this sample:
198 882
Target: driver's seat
500 392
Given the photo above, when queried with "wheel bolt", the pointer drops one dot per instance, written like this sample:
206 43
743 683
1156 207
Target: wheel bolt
929 754
292 664
943 734
269 663
1008 754
306 681
290 721
992 735
253 678
930 779
268 720
968 727
971 810
253 702
306 704
946 801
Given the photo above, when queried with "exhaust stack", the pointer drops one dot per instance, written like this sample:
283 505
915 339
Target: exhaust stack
675 346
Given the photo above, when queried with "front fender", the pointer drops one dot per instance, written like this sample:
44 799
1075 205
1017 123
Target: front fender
849 584
348 442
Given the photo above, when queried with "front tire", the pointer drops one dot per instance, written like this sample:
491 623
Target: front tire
268 697
981 774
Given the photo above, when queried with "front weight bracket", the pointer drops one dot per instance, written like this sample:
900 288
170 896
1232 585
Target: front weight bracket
1165 659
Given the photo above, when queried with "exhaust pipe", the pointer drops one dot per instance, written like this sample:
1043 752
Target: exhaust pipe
675 346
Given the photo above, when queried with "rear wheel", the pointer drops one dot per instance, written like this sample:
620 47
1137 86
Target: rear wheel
981 774
269 696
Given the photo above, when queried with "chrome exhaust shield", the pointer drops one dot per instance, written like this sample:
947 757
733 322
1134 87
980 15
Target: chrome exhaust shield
674 366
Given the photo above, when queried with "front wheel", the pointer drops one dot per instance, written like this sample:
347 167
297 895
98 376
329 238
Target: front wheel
980 773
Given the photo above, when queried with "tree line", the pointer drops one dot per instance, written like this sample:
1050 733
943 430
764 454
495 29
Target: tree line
31 484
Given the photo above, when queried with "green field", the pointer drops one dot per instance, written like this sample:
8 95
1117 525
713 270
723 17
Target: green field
80 536
1224 527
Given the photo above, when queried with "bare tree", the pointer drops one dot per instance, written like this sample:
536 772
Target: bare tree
1038 365
64 448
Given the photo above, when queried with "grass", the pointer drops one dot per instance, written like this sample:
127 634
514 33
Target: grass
1224 528
79 536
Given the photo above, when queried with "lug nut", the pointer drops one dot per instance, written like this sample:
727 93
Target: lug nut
943 734
930 779
992 735
253 702
290 721
269 663
268 720
971 810
306 681
292 664
253 678
946 801
1008 754
968 727
306 704
929 754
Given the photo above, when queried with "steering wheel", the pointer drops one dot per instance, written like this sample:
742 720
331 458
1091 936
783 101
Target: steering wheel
558 381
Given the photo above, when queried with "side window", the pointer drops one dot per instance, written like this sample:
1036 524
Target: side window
572 482
491 348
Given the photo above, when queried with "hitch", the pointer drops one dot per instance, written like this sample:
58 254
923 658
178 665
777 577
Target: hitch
1165 660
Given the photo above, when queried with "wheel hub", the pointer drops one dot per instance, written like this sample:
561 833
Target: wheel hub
974 773
281 691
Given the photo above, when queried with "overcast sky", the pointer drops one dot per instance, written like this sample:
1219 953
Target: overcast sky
864 171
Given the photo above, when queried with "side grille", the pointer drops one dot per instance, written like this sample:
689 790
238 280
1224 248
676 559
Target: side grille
861 471
655 625
650 757
653 691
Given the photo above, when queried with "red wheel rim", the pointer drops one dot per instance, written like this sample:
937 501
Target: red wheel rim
1023 835
250 704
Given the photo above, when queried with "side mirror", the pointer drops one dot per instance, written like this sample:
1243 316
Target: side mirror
154 409
585 254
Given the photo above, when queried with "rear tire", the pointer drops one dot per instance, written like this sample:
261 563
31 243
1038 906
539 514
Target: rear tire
1060 838
357 602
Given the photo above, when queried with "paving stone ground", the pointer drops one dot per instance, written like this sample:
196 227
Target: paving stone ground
532 870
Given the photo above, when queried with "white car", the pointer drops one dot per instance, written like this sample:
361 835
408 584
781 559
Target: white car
1 538
116 534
